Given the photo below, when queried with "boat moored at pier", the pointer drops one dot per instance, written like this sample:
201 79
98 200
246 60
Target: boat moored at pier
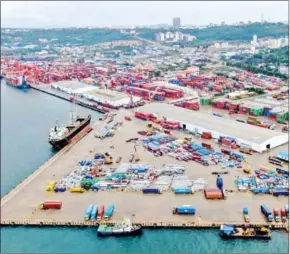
123 229
232 231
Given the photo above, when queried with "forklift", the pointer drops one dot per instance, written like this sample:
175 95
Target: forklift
149 130
247 169
136 156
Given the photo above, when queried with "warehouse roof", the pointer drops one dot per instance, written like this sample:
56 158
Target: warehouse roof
228 127
106 94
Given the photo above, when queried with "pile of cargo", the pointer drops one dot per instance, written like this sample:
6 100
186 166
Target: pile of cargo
264 182
188 104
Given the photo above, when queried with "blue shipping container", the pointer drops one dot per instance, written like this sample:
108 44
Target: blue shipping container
151 190
88 212
185 210
109 211
265 210
182 191
94 213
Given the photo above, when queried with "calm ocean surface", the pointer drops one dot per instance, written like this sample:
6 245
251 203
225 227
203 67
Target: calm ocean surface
25 120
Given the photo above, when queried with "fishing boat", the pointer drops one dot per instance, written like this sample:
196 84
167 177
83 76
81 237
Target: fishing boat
17 82
109 211
60 136
123 229
100 212
231 231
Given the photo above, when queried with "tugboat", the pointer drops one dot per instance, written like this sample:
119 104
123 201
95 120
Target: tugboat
60 136
247 232
123 229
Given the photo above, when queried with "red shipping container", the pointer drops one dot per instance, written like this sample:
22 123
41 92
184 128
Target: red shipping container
51 205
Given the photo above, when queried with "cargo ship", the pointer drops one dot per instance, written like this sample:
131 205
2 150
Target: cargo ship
17 82
231 231
60 136
123 229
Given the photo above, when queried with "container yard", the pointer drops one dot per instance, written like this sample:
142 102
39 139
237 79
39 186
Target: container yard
90 173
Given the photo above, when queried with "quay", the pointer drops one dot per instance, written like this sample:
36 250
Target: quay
66 98
149 224
21 205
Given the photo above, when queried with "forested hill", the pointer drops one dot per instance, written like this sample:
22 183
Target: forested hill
227 32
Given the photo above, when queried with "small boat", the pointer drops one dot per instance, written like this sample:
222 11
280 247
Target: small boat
123 229
109 211
100 212
231 231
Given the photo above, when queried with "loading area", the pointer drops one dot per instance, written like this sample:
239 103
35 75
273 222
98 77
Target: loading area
22 203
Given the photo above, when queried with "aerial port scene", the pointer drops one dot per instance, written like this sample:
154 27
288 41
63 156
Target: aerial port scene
165 130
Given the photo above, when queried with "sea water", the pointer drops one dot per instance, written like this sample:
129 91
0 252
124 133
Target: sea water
26 118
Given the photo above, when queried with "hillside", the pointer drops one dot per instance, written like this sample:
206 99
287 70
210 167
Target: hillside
227 33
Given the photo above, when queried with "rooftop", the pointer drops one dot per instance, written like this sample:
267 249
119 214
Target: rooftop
71 84
228 127
106 94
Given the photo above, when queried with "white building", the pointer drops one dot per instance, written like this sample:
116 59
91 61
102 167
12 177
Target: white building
259 139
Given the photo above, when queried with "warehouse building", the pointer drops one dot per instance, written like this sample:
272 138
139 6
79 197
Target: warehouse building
72 87
110 97
260 139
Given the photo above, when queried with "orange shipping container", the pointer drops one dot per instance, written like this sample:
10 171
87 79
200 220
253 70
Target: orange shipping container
213 194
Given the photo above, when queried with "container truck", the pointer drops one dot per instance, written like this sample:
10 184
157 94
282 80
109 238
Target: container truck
185 209
283 215
51 205
266 211
246 214
94 213
276 161
151 190
88 212
109 211
77 189
276 215
100 212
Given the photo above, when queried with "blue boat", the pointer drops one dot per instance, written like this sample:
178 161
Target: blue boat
109 211
94 213
88 212
20 84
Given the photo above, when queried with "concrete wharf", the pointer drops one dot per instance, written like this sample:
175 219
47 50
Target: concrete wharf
148 224
85 104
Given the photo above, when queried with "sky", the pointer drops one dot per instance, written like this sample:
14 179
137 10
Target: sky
55 14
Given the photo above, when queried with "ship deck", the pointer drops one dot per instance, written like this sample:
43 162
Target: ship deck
20 205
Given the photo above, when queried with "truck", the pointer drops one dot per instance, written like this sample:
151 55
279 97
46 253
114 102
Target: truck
276 214
283 214
275 160
184 209
246 214
88 212
287 210
109 212
51 205
266 211
94 213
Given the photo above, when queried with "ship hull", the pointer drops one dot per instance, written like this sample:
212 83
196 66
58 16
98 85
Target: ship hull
134 232
21 86
59 144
